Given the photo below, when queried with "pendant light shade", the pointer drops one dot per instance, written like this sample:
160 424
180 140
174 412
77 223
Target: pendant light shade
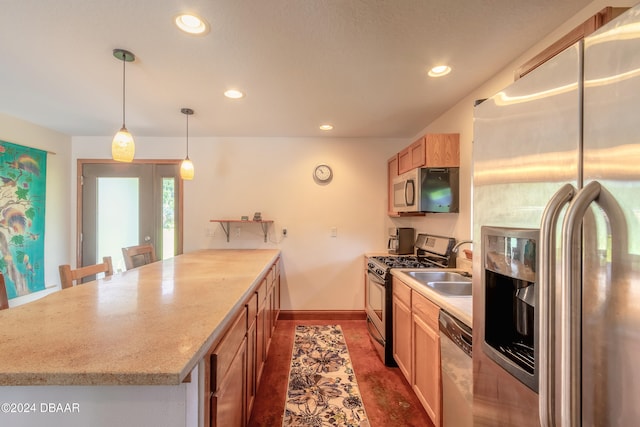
186 168
123 147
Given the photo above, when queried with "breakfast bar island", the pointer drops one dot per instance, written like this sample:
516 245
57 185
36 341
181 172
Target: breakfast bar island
179 342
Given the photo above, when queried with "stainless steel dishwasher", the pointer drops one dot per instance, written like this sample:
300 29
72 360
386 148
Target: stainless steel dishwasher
457 371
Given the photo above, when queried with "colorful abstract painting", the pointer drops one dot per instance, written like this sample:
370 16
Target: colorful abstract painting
23 175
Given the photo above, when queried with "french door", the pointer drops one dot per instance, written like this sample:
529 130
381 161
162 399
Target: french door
126 204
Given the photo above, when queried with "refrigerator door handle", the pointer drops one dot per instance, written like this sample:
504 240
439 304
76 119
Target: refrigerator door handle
570 306
546 303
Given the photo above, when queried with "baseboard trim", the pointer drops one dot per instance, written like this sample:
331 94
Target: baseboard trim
322 315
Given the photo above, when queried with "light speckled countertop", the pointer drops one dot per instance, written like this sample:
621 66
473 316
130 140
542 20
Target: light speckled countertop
459 307
146 326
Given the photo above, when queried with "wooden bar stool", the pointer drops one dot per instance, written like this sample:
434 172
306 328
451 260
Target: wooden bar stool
137 256
4 301
68 276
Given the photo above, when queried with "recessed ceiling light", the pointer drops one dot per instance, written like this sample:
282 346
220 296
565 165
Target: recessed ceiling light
192 24
439 71
326 127
234 94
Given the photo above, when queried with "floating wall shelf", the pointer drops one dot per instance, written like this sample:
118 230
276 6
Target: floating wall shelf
226 225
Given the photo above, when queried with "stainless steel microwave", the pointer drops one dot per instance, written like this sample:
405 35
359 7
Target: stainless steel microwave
427 190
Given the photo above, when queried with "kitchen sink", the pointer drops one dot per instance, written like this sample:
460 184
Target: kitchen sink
446 283
451 289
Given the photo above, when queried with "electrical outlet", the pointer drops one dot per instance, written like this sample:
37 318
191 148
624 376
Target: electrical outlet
334 231
238 231
284 232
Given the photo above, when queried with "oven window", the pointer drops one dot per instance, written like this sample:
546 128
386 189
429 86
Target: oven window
376 297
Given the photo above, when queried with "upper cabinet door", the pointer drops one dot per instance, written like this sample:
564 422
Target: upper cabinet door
442 150
412 156
432 151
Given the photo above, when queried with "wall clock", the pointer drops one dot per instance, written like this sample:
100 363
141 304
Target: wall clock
322 174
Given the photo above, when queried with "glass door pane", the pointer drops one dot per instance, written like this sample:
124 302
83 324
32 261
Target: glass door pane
129 204
118 200
168 218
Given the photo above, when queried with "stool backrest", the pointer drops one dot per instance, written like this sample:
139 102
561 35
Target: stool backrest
68 275
136 256
4 301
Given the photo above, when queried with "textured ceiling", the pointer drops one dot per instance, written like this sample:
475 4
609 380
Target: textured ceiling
359 64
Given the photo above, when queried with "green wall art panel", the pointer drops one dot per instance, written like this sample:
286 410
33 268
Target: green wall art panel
23 179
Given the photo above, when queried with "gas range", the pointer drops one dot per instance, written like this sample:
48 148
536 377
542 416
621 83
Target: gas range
403 261
431 252
382 264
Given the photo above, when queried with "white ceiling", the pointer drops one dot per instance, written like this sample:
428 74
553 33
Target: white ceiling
359 64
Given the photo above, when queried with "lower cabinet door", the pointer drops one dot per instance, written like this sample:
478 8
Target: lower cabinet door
402 336
401 312
228 402
426 381
252 386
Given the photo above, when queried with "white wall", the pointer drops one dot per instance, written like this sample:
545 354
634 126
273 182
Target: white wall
239 176
58 206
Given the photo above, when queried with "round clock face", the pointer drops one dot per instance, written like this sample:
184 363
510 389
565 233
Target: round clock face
323 173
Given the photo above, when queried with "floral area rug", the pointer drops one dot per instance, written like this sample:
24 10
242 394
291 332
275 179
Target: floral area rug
323 390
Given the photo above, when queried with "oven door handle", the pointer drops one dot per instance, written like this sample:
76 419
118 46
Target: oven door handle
375 279
374 332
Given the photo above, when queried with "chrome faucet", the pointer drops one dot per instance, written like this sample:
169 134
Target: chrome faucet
454 253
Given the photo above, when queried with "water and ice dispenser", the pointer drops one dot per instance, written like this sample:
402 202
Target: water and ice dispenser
509 285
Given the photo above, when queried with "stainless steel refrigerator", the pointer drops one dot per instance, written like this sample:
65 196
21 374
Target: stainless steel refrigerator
557 153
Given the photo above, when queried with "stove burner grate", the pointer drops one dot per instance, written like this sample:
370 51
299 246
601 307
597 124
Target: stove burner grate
404 262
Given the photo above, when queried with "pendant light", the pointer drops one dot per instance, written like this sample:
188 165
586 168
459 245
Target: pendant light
186 168
123 147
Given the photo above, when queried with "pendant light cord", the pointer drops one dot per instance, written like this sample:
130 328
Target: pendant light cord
187 135
124 63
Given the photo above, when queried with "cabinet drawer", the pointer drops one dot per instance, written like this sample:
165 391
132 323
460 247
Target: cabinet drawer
222 356
402 291
426 310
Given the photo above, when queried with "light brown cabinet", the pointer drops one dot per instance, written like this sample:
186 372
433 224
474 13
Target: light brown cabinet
268 295
232 376
275 295
426 378
442 150
412 157
252 386
261 336
401 311
431 150
228 376
416 346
